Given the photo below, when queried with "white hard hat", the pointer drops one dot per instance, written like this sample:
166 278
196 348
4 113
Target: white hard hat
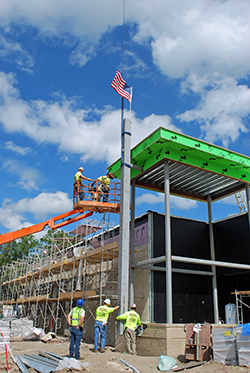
133 305
81 168
107 301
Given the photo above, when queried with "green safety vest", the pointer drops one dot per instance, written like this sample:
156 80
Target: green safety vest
102 313
76 316
132 319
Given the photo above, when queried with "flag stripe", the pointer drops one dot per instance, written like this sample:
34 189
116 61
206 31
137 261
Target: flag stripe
118 84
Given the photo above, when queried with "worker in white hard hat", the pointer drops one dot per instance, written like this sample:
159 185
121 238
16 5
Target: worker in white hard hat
79 186
132 320
101 321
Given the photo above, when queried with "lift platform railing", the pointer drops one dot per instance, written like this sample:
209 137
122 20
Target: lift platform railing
95 192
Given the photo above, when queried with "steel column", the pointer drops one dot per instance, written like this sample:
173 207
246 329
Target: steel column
123 279
212 254
248 202
169 316
132 242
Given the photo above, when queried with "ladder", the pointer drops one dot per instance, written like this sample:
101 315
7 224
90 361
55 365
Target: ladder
239 311
241 201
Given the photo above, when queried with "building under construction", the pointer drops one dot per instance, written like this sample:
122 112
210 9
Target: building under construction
181 270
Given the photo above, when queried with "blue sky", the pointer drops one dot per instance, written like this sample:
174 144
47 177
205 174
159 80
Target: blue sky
187 60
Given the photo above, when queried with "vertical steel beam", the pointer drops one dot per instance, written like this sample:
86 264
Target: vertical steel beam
248 202
132 242
212 254
123 279
151 273
169 315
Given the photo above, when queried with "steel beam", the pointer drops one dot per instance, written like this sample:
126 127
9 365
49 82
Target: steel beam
169 316
123 277
212 254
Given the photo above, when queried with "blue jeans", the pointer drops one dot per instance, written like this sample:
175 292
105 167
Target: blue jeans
100 328
74 347
81 195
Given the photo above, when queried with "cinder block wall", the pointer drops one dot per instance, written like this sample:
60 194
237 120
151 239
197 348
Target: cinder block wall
141 284
159 339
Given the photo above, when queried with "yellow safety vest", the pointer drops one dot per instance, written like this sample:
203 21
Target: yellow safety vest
78 177
104 180
76 316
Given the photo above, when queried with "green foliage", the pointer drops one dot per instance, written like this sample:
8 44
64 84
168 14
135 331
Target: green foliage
46 240
28 246
12 251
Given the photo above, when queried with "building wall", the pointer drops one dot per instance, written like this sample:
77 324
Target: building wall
232 244
192 294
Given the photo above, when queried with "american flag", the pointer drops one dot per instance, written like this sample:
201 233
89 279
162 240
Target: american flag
121 87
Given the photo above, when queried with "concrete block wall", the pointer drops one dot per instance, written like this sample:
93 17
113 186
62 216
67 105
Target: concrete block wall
141 284
159 339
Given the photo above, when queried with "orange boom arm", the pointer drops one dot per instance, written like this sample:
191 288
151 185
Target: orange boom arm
11 236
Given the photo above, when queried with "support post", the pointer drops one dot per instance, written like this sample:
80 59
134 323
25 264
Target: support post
123 276
169 316
248 203
132 243
212 254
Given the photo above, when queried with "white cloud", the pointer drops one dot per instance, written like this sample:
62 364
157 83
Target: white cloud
82 54
14 53
175 202
200 42
17 149
150 198
182 203
21 174
221 111
13 215
232 200
62 124
196 35
185 35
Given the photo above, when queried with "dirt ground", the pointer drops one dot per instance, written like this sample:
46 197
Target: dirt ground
108 361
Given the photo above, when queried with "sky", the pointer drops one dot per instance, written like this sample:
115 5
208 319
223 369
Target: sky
188 62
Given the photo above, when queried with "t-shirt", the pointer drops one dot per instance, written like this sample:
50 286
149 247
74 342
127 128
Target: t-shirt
102 313
82 313
132 319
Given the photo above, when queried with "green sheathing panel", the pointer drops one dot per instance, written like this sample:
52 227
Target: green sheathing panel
166 144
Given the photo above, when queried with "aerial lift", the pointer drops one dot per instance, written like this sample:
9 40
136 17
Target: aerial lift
89 199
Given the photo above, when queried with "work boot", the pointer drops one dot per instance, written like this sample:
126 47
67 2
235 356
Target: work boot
102 350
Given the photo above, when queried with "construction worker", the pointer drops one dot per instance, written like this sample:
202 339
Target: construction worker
76 320
104 186
132 320
78 181
102 314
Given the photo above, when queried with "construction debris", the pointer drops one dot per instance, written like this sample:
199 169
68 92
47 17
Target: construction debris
52 338
47 362
34 334
130 366
178 369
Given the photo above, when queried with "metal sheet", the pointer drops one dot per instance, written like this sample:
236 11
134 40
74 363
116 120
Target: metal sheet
196 168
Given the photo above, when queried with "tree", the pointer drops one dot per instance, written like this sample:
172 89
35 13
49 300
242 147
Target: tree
51 236
17 249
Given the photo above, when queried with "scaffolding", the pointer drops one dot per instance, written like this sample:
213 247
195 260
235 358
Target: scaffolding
43 286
